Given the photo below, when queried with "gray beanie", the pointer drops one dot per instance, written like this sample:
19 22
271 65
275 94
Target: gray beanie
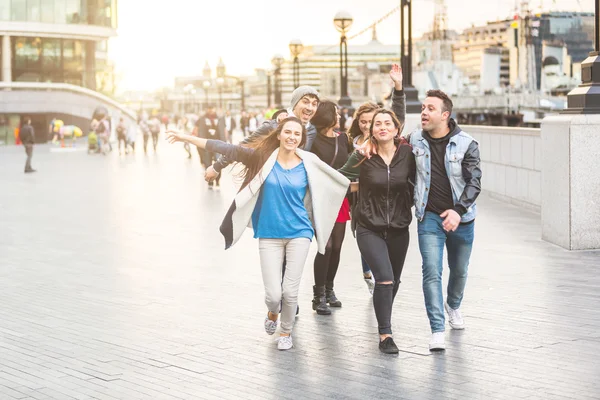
300 92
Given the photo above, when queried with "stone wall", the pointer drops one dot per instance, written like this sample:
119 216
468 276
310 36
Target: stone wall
511 161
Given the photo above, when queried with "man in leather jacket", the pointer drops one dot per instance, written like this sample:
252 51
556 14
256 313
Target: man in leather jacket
448 182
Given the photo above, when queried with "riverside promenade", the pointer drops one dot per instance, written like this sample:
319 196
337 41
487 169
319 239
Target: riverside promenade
115 285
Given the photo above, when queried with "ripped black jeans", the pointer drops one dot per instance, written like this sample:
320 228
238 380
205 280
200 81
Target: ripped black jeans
385 253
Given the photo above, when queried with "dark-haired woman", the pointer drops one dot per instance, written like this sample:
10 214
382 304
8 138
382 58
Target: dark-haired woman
359 132
333 148
383 214
288 195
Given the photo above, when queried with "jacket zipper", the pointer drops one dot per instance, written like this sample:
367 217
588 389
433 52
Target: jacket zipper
388 197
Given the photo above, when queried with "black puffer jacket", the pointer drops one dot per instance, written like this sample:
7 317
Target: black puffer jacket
385 193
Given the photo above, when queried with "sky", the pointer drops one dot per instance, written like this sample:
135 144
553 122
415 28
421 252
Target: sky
157 43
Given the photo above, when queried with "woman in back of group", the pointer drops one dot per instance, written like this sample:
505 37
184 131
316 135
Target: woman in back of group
359 132
383 211
333 148
282 184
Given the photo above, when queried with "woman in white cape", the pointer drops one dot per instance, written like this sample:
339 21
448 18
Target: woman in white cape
288 196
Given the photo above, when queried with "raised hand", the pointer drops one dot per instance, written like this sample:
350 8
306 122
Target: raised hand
396 76
175 136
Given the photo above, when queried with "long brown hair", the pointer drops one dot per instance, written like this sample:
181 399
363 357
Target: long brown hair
326 117
367 107
263 148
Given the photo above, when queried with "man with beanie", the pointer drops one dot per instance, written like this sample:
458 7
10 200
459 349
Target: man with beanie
304 103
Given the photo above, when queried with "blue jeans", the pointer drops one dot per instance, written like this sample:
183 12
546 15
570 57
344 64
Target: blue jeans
432 238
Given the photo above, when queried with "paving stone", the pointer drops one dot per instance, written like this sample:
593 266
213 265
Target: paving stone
115 285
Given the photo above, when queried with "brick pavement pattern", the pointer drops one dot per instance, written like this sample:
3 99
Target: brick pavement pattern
115 285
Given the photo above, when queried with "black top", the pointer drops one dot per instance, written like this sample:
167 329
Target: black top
324 148
440 191
385 194
27 135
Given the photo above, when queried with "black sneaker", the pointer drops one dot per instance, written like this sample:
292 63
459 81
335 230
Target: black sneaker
388 346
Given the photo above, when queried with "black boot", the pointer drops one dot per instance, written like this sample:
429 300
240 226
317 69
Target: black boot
318 303
330 296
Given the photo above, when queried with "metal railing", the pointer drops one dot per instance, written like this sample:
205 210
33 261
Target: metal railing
508 102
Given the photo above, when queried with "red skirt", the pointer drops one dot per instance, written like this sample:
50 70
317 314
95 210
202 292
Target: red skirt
344 214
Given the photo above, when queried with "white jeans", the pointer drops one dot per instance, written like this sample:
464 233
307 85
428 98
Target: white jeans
272 252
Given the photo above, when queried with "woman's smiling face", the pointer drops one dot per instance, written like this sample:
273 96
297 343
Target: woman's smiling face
290 136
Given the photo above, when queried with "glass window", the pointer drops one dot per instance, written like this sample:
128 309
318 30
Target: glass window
73 59
27 60
33 10
4 10
51 54
60 11
47 10
18 10
73 10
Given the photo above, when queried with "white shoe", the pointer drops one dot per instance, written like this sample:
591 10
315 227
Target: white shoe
454 317
285 342
370 284
437 342
270 326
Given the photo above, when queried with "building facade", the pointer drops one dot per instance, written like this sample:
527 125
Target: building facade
52 42
473 43
320 68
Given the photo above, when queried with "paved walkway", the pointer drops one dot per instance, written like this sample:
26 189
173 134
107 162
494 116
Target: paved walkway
114 285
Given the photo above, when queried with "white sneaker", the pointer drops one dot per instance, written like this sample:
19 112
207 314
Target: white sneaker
437 342
270 326
454 317
285 342
370 284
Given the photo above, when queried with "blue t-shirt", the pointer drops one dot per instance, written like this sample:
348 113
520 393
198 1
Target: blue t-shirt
280 211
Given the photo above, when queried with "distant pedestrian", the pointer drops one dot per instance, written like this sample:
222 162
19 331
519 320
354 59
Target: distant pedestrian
27 136
145 128
230 125
285 215
210 126
122 135
154 126
252 123
183 125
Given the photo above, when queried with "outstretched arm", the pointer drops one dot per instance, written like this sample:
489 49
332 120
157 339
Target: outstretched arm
351 169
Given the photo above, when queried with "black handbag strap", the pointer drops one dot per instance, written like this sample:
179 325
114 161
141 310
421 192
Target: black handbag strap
337 145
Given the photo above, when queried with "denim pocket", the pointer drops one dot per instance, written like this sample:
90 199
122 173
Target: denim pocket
455 163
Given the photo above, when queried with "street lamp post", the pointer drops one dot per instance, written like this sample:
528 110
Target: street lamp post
220 80
221 75
206 85
412 96
343 21
585 99
187 90
296 48
268 89
277 62
193 92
